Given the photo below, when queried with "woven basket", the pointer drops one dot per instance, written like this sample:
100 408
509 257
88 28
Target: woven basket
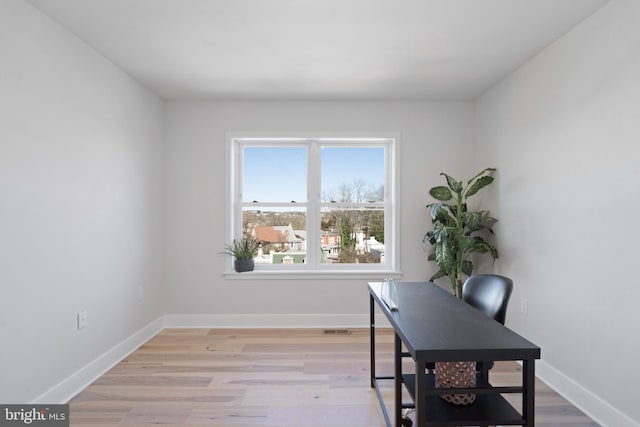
456 375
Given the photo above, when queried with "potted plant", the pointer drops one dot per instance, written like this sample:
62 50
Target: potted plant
244 251
457 232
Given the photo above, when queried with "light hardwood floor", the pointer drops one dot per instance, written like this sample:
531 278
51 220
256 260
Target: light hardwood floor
262 377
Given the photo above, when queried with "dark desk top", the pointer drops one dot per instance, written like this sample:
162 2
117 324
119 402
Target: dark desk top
434 325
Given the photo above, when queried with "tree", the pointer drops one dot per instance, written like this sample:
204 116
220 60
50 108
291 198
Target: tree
348 223
376 225
346 229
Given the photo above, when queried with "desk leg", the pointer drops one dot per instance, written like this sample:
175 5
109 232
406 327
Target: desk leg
484 370
528 383
397 361
420 397
372 341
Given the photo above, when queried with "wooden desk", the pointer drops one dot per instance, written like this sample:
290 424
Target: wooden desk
433 326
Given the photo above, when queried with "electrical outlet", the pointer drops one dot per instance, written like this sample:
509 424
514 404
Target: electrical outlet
82 320
524 306
140 293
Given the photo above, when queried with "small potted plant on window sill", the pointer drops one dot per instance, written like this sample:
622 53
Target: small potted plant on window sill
244 251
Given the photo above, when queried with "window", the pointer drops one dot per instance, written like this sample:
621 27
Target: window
317 203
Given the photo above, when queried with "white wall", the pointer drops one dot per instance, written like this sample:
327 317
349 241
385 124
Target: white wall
564 132
436 136
80 203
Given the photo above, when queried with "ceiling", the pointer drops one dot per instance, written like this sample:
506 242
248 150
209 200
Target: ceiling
318 49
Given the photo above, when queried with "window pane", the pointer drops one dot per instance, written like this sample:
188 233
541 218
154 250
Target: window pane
352 174
350 236
282 232
274 174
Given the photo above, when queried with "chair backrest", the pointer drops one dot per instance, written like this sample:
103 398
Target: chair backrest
488 293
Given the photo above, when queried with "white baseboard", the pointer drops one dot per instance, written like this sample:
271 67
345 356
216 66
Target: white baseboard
597 409
65 390
266 321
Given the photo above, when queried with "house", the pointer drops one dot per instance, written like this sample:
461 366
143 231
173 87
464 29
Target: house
281 237
330 238
112 176
369 246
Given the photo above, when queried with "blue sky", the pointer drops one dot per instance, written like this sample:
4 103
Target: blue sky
279 173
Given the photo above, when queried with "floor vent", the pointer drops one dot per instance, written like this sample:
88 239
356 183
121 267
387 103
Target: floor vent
337 331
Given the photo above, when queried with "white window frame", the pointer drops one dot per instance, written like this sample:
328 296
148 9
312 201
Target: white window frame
233 211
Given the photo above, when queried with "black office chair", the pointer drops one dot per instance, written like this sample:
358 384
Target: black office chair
489 293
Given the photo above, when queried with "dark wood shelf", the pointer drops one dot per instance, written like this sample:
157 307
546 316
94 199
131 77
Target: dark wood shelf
488 408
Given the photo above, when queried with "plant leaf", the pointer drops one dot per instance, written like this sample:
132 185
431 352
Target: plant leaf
476 221
439 213
467 267
466 242
455 186
441 193
482 172
428 239
446 250
480 246
438 275
441 232
478 184
243 249
434 208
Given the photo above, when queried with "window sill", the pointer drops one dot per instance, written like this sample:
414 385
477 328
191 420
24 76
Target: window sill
311 275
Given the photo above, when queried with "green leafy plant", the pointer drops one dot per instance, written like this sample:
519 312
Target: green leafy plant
457 232
243 249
